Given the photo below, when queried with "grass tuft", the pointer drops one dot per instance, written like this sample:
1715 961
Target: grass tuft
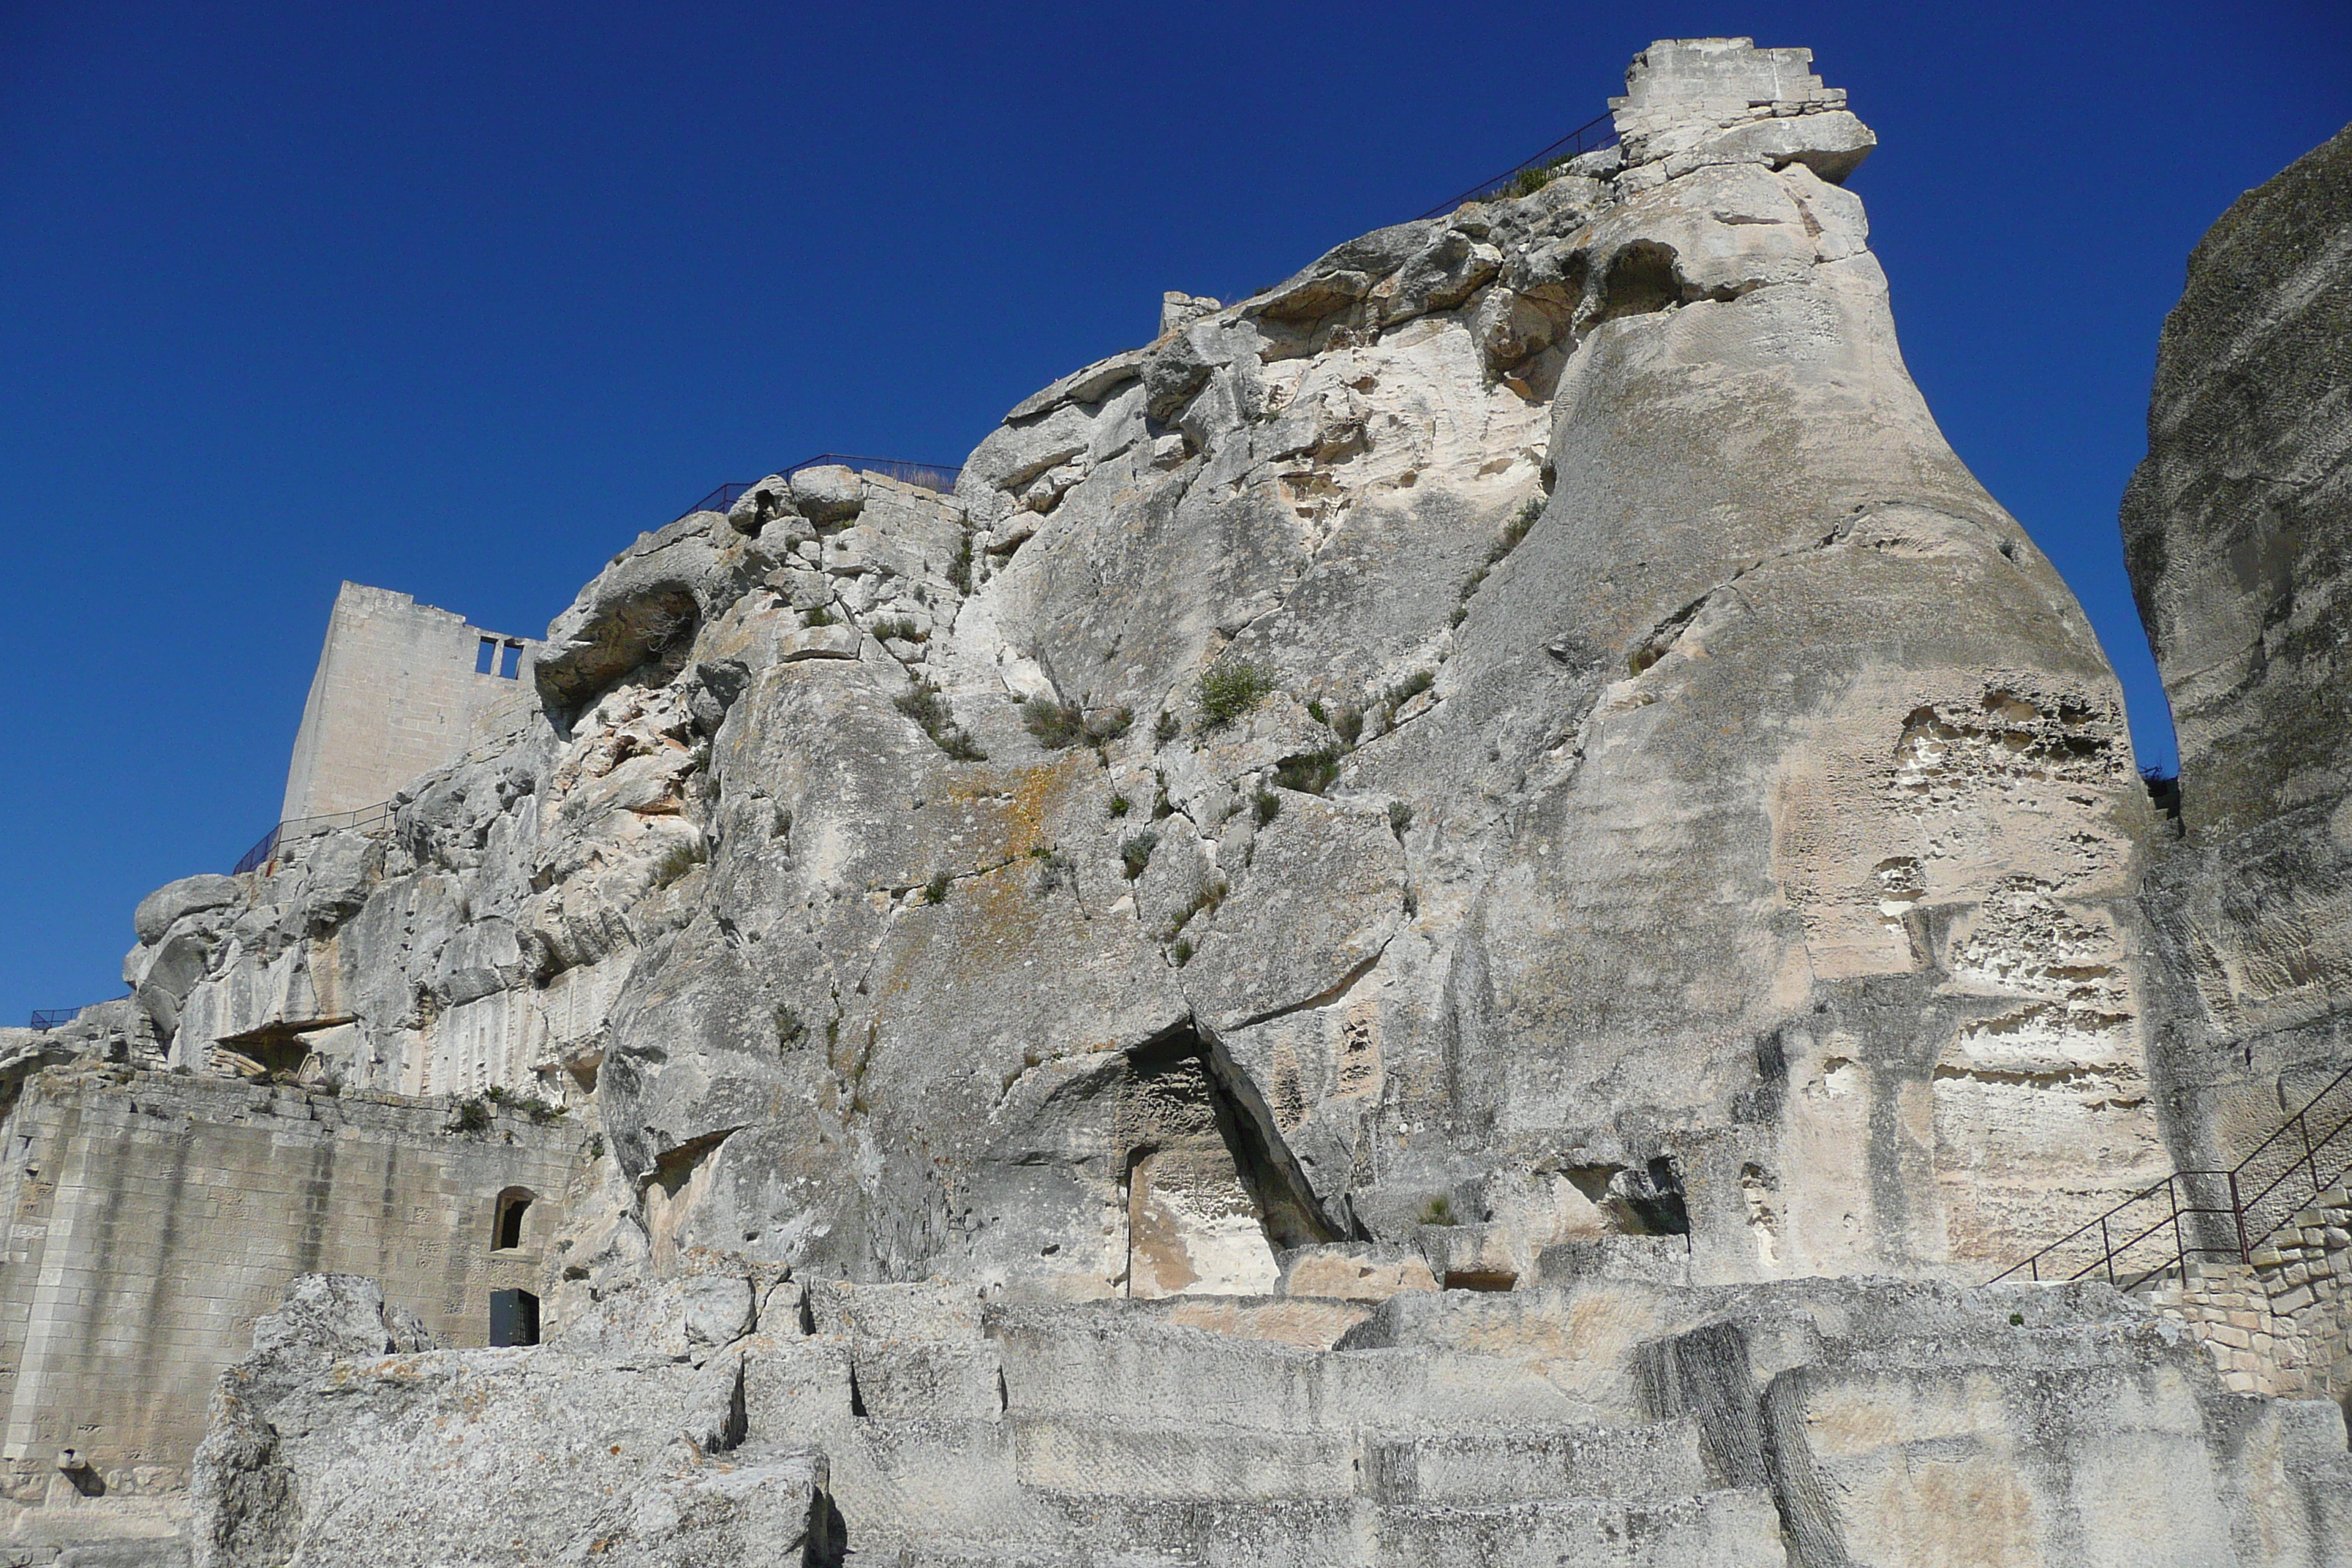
1136 853
927 708
1229 690
677 860
1310 773
1060 725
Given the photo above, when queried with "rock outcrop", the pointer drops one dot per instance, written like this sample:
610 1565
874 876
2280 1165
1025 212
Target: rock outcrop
1522 732
1444 916
2236 531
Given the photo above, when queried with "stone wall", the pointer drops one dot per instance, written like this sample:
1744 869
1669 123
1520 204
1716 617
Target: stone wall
153 1217
398 694
2282 1326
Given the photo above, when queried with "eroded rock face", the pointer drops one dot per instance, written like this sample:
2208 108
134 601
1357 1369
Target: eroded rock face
2236 530
1354 954
1656 790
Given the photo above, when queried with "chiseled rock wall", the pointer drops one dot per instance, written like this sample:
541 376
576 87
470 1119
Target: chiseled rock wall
2236 529
1815 1423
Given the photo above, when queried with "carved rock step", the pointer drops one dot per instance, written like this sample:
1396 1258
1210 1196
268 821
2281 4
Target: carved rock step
1087 1366
1129 1459
1729 1529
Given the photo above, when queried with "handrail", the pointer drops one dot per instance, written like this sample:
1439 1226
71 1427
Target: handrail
48 1018
2247 1227
1586 137
365 819
940 477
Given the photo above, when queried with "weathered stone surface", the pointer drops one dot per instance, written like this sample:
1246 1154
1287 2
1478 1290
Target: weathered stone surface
168 904
497 1455
828 493
1314 967
818 642
2236 529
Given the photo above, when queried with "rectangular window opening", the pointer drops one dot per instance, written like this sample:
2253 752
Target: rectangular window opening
486 656
510 661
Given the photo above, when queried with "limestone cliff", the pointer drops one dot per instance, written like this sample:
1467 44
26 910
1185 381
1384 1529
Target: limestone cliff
2236 529
1445 916
1656 787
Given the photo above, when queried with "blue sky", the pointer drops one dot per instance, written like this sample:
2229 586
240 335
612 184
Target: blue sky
456 300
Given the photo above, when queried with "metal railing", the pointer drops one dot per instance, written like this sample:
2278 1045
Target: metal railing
48 1018
940 477
366 819
1599 132
2210 1214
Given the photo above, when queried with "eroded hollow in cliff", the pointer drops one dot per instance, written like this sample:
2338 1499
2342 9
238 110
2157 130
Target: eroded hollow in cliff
1212 1193
642 639
1640 279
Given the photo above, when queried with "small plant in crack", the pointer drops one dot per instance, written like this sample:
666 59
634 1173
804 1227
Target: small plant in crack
1399 818
1135 854
1060 725
1229 690
820 617
960 568
1053 872
1311 772
899 628
1120 805
1405 690
1265 805
935 891
1165 727
1508 540
790 1029
1162 806
1348 723
1438 1210
1205 902
1182 952
677 860
927 708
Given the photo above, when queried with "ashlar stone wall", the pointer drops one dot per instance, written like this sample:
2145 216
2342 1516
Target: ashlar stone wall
2282 1325
151 1217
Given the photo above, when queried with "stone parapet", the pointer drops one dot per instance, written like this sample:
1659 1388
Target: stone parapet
1693 102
